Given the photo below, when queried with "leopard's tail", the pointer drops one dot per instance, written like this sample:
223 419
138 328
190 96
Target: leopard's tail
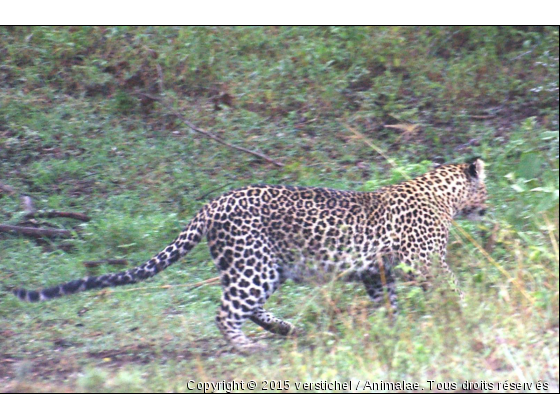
189 237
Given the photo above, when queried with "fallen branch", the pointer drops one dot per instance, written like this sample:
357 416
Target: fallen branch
483 117
210 135
30 211
36 232
50 214
219 140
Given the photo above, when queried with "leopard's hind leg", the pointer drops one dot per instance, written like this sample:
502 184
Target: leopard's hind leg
248 280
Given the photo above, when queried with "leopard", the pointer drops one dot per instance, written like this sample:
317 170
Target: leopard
259 236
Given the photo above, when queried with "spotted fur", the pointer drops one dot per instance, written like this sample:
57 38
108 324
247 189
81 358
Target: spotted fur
261 235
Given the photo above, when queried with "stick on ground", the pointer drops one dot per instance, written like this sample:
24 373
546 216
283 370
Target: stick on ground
36 232
68 214
210 135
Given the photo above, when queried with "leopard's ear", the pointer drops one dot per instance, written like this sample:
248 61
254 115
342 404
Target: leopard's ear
476 169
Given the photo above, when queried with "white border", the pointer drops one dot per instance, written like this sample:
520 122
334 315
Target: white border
289 12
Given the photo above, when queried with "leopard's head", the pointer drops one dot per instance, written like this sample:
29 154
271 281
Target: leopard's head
474 205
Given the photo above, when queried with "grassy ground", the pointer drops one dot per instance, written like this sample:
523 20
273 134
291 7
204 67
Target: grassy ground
80 131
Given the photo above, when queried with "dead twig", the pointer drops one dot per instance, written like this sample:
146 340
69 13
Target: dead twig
210 135
407 130
36 232
483 117
31 211
203 196
51 214
232 146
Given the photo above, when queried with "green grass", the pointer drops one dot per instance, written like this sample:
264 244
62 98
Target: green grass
75 135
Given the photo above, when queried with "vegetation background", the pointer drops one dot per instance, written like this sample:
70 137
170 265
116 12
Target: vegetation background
89 123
